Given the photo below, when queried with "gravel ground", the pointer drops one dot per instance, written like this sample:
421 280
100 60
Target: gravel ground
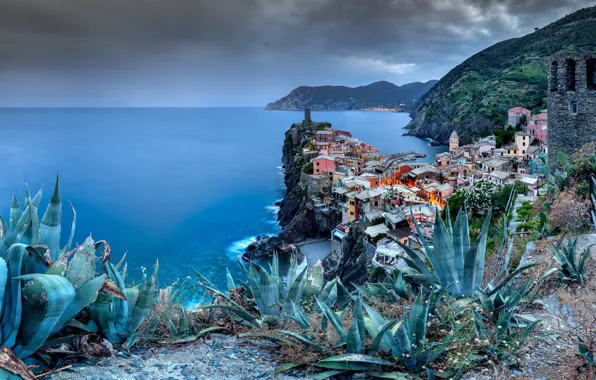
219 357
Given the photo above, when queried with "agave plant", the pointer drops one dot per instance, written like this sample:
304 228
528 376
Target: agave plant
572 265
25 226
275 298
406 340
393 288
44 288
117 317
456 265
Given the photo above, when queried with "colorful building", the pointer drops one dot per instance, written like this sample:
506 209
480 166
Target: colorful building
323 164
514 115
538 127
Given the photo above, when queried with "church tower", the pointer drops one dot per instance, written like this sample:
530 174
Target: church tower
453 143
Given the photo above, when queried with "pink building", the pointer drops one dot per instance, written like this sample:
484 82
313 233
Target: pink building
323 164
538 127
515 114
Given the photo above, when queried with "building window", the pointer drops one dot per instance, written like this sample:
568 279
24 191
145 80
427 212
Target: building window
352 213
573 108
318 163
570 75
591 73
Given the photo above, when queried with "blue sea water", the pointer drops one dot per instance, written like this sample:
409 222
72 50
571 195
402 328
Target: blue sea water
191 186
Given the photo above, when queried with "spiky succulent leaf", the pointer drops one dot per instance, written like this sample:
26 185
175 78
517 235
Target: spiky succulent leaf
143 305
45 298
83 297
15 212
474 261
81 267
353 362
51 223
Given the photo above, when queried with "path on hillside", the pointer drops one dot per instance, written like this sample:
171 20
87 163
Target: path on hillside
513 223
219 357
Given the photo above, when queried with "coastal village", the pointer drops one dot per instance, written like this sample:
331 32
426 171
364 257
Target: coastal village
384 194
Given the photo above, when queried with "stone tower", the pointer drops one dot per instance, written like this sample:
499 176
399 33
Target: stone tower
453 143
307 119
571 102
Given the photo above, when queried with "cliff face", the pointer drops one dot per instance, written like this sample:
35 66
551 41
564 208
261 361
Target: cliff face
476 95
299 215
338 98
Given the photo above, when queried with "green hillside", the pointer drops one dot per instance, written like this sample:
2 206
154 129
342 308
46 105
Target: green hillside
474 97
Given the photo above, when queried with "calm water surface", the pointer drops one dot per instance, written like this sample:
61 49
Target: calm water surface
190 186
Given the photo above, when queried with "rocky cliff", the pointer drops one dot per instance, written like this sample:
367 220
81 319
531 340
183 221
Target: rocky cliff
338 98
474 97
301 216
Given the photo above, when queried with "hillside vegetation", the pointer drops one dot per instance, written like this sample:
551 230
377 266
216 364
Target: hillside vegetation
474 97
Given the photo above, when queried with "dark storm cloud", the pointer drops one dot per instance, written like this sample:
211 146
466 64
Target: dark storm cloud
218 52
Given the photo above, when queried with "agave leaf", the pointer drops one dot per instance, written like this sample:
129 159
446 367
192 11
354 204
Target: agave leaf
45 298
444 255
474 261
3 228
417 320
102 314
51 223
31 235
479 326
510 277
81 268
13 238
414 261
287 366
230 281
380 335
302 338
269 292
240 312
375 327
329 293
388 375
327 374
332 317
143 305
73 228
11 318
353 362
119 306
90 327
314 281
15 212
294 293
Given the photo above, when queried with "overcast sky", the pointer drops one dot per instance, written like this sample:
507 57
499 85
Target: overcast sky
240 52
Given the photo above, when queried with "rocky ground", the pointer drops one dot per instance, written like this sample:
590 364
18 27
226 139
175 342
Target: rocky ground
219 357
553 350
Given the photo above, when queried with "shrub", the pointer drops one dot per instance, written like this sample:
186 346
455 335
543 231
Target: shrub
308 168
569 212
479 196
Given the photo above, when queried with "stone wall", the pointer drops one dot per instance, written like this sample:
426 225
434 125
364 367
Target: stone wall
571 102
316 185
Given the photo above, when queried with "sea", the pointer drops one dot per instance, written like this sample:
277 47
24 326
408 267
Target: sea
190 186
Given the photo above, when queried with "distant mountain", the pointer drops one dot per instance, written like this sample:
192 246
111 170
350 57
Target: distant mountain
474 97
379 94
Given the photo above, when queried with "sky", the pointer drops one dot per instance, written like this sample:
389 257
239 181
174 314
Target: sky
241 52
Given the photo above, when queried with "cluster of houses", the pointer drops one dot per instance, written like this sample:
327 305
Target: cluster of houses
383 194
